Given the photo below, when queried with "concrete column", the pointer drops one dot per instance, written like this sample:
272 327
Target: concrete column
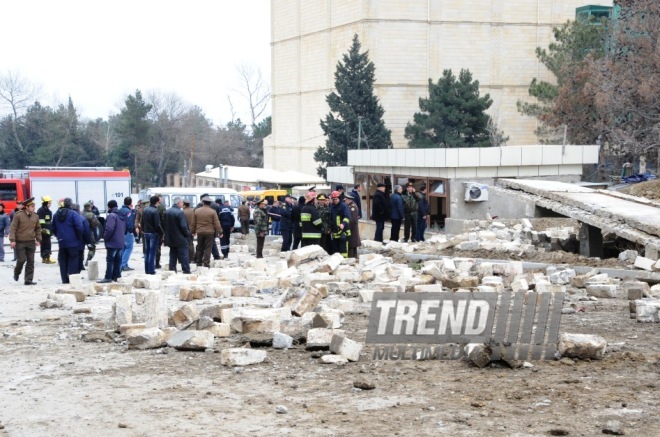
591 241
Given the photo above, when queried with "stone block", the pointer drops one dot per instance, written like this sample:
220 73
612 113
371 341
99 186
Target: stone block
644 263
519 285
296 327
215 311
582 346
334 359
366 295
307 302
628 255
76 281
93 270
242 290
155 309
349 276
546 287
124 329
479 354
307 253
148 338
282 341
191 340
469 245
460 281
121 287
329 264
428 288
78 294
219 329
320 338
647 310
602 290
241 356
347 306
122 310
64 301
345 347
185 316
191 292
334 318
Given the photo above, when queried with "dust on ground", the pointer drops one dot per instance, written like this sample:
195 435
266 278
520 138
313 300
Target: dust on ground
54 384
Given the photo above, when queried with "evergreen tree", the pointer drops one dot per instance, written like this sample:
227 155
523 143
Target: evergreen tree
353 108
132 129
452 116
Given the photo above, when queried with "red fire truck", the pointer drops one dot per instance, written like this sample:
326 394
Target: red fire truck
99 184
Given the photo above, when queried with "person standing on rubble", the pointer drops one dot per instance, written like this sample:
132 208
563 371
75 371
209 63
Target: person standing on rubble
177 236
244 218
379 211
24 236
68 228
226 217
114 239
45 218
286 224
205 225
260 226
152 231
340 218
310 221
322 202
354 241
396 212
189 213
410 200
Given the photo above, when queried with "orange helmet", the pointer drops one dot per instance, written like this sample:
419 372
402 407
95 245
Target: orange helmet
335 194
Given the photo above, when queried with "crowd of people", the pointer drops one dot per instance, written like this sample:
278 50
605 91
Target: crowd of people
330 221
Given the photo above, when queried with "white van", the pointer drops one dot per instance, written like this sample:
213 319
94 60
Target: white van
194 195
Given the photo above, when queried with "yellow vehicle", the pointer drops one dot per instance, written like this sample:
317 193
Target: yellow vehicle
270 195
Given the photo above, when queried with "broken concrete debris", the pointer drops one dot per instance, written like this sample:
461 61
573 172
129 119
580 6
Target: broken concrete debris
246 297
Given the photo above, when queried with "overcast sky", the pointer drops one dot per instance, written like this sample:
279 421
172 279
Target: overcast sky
98 52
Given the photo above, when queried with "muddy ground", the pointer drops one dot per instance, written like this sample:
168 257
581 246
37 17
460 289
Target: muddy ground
55 384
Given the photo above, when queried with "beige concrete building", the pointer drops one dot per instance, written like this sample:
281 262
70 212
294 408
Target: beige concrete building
409 42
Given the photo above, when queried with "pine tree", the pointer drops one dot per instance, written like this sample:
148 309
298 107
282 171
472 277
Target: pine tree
452 116
353 108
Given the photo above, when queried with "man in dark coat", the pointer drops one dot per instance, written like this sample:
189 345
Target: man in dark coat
354 241
152 231
357 198
114 238
380 211
295 220
68 227
189 213
423 211
177 236
396 212
45 218
286 224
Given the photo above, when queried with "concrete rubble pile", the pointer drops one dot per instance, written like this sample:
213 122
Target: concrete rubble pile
303 296
495 236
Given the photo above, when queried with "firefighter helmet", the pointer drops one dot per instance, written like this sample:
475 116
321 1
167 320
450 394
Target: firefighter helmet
335 194
46 199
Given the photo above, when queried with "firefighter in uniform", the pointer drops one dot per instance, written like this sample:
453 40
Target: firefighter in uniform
45 217
310 221
324 211
340 217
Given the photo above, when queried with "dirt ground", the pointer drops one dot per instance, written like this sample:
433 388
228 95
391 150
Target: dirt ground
55 384
648 189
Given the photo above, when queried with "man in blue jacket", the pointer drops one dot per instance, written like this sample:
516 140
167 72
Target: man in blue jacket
115 231
226 217
128 213
423 213
68 227
396 213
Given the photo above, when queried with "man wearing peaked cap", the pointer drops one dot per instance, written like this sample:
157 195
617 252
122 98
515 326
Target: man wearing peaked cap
321 197
24 236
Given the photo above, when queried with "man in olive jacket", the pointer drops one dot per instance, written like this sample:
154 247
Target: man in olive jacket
177 236
205 224
24 236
